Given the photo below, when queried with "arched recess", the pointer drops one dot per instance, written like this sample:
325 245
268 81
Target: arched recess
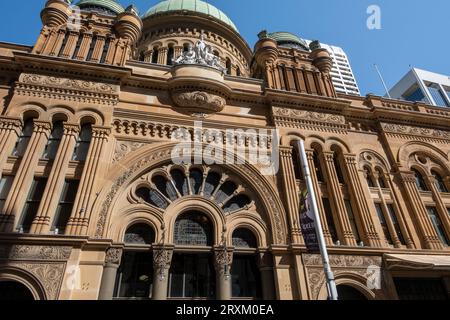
142 161
432 151
31 109
252 223
353 280
25 278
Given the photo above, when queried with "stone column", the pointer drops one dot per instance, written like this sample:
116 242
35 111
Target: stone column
265 265
223 260
440 205
335 192
429 236
162 56
98 49
49 203
148 56
70 45
10 129
112 263
162 258
84 46
325 227
42 40
291 193
79 221
24 175
178 51
356 188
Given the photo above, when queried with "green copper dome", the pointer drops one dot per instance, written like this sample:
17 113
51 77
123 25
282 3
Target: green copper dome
289 40
195 6
103 6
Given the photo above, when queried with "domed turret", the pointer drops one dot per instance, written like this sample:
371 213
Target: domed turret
129 25
55 13
290 40
110 7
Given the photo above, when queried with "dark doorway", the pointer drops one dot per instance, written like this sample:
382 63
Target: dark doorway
349 293
135 276
420 289
14 291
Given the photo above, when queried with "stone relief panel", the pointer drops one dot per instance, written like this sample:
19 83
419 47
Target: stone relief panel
123 148
416 131
26 252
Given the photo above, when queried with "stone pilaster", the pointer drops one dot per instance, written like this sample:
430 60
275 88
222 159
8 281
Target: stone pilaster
79 220
112 263
47 208
291 193
24 175
162 258
162 56
9 133
335 191
42 40
84 47
178 51
440 205
70 45
356 188
428 234
265 265
223 260
148 56
323 218
98 49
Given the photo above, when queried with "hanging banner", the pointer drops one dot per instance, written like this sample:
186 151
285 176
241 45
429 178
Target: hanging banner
307 222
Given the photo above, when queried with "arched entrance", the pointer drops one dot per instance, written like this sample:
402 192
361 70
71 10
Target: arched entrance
346 292
14 291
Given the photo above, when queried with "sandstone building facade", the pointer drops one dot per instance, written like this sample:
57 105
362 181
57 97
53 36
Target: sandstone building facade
93 207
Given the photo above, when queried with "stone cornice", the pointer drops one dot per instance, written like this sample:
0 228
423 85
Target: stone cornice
405 131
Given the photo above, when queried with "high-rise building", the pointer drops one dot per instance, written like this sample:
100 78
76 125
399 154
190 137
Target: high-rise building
423 86
155 156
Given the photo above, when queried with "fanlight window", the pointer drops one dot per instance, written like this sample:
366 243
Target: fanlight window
140 234
168 189
193 229
243 238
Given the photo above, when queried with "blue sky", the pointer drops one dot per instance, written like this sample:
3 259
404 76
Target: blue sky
412 31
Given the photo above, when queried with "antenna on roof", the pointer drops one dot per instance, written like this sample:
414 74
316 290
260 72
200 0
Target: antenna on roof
382 80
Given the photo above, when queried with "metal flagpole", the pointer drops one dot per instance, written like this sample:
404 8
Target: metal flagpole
331 284
382 80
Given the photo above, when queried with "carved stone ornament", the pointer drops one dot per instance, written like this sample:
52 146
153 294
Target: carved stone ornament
309 115
162 258
113 255
410 130
200 54
223 259
198 101
123 148
28 252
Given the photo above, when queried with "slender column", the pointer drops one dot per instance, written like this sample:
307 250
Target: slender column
162 258
98 49
112 263
40 43
58 42
24 175
55 183
148 56
291 193
79 220
178 51
368 224
265 265
417 207
50 43
9 132
162 56
70 45
84 47
323 218
338 200
111 51
223 260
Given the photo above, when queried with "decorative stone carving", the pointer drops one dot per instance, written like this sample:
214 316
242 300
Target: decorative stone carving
123 148
343 261
199 101
28 252
371 159
113 255
202 54
410 130
162 258
223 259
309 115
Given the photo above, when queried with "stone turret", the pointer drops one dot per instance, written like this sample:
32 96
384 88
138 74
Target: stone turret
321 57
56 13
128 24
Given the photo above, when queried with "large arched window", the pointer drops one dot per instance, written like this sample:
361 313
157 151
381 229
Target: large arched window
53 141
24 138
439 181
84 141
141 234
420 181
246 278
193 229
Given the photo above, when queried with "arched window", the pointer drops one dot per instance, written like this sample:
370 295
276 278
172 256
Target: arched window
65 206
296 163
317 167
225 191
238 72
64 43
211 183
369 177
420 181
186 47
32 203
84 140
24 138
142 56
439 181
338 168
140 234
193 228
228 66
236 203
165 187
196 179
181 182
349 293
170 55
53 141
380 180
244 238
152 197
105 50
155 55
91 48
